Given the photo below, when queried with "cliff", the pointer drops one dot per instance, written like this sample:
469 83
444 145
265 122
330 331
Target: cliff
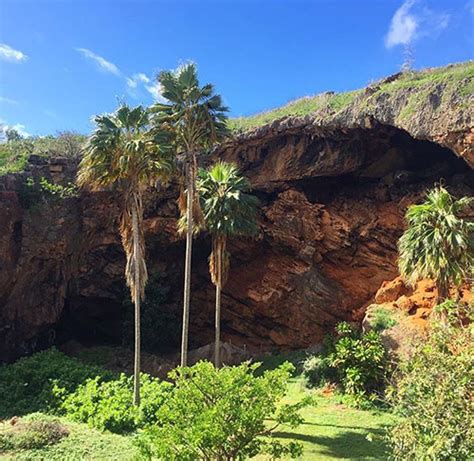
333 186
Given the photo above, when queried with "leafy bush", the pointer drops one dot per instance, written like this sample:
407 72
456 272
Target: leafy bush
36 431
160 328
27 385
318 371
355 361
382 319
109 405
433 392
221 413
34 191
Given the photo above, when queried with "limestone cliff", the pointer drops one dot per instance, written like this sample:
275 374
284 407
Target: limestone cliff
333 188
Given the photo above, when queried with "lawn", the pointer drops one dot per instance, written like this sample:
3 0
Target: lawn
335 431
331 431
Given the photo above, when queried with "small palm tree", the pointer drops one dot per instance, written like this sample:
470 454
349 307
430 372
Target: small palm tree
228 210
438 244
124 153
196 117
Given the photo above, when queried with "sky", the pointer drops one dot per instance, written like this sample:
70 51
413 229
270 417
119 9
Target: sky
63 61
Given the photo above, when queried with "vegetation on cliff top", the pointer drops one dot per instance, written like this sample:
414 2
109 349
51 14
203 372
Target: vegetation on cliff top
457 78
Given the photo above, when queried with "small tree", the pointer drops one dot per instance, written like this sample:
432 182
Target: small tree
228 210
221 414
438 244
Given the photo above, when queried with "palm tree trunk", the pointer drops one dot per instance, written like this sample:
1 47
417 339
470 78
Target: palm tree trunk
217 342
137 295
187 264
443 295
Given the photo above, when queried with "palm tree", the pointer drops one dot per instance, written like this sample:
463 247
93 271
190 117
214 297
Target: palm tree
228 210
196 117
438 244
124 153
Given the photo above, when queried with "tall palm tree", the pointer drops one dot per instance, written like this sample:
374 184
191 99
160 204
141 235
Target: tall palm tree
196 117
438 244
124 153
228 210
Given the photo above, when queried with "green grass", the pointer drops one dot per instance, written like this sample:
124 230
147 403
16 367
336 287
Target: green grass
302 106
334 431
423 80
82 443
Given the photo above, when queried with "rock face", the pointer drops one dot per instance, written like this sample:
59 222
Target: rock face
332 200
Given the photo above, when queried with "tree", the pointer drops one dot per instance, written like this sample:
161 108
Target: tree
223 414
228 210
196 117
13 135
125 153
438 243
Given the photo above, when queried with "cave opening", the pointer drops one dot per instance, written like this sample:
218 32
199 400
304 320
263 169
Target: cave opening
394 165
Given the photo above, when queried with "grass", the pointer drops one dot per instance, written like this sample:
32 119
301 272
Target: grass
334 431
460 77
300 107
331 431
82 443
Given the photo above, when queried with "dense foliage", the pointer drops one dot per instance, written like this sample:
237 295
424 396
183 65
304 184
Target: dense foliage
108 405
438 244
221 414
27 385
15 152
433 392
355 361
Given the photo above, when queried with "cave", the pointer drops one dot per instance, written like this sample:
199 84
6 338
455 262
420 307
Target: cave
331 211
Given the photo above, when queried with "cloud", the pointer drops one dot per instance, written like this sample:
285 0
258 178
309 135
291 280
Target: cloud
155 89
21 129
102 63
7 53
412 21
8 100
134 80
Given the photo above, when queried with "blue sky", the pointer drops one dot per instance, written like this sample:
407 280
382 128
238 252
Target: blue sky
62 61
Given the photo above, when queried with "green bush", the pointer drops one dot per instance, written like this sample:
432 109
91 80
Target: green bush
36 431
355 361
382 319
26 386
318 371
221 414
433 393
108 405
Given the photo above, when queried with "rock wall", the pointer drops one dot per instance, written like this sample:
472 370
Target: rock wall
332 201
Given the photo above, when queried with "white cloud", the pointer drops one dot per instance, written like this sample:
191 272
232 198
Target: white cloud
103 64
135 79
413 20
7 53
155 89
7 100
21 129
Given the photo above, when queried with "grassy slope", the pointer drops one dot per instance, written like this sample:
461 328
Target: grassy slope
331 431
336 102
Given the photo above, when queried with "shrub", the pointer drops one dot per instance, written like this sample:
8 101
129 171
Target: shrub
318 371
355 361
108 405
221 413
382 319
433 392
36 431
27 385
